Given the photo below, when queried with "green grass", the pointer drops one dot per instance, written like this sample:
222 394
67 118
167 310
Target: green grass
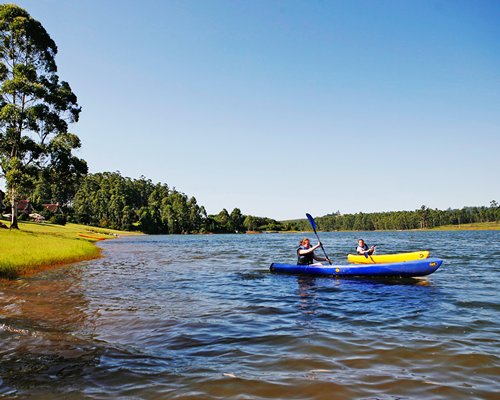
38 246
477 226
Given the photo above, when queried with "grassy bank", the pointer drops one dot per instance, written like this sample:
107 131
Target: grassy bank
39 246
478 226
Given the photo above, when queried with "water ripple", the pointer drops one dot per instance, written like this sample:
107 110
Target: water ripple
190 317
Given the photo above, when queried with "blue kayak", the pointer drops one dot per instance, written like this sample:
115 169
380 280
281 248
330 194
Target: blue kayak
404 269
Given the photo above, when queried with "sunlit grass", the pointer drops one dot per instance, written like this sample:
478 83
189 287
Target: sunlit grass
70 230
478 226
38 246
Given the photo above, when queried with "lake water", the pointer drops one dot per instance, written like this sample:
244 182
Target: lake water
201 317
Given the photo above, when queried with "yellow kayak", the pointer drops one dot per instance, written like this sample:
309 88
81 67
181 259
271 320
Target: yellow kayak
387 258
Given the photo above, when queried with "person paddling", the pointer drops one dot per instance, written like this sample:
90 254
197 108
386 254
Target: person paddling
363 248
305 253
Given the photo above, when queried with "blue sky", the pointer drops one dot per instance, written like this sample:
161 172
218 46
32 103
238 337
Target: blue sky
285 107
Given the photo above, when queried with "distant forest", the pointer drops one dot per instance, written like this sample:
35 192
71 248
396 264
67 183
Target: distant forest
423 218
109 200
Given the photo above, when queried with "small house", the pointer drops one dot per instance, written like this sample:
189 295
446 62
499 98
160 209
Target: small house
24 207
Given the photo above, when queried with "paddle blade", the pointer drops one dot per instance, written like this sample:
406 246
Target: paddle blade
311 221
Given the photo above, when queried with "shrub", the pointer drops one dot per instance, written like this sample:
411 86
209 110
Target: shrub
58 219
23 217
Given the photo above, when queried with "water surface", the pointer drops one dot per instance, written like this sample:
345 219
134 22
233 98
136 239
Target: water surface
201 317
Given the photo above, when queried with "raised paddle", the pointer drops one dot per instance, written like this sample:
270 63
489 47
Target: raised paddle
313 224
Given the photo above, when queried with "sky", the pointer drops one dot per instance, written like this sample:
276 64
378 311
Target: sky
285 107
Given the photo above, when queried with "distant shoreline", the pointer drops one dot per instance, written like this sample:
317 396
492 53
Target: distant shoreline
477 226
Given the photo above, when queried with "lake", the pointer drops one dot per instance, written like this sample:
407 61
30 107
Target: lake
201 317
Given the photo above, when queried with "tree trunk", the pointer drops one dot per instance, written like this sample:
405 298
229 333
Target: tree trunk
13 215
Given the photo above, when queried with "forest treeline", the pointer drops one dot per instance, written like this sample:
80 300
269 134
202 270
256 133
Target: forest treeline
423 218
112 201
109 200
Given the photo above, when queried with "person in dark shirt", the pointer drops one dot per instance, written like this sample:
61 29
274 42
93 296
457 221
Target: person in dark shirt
305 253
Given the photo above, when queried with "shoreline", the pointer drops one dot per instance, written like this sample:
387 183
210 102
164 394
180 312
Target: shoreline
39 247
47 267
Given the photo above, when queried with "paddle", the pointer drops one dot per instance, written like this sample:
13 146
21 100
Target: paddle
369 255
313 224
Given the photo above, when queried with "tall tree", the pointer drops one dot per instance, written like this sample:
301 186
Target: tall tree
424 216
494 211
224 221
59 181
237 220
35 106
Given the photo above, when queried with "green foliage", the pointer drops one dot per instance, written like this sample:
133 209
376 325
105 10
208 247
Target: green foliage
111 201
423 218
237 220
252 223
59 181
23 217
223 222
58 219
35 110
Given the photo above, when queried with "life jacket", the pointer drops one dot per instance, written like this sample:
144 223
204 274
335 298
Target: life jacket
304 259
364 247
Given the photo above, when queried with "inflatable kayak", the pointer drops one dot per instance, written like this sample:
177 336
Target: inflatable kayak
404 269
387 258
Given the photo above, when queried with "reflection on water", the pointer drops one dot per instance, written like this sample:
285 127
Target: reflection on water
190 317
